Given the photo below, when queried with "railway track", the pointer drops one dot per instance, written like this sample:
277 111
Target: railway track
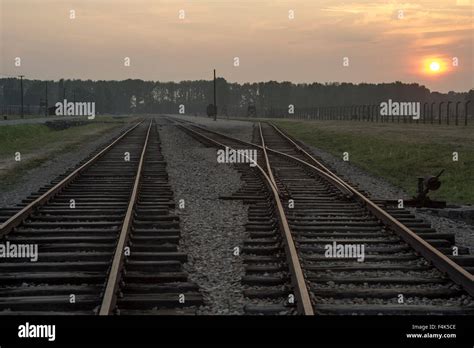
108 239
106 235
407 267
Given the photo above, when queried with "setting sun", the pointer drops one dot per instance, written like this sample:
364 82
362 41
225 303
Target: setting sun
434 66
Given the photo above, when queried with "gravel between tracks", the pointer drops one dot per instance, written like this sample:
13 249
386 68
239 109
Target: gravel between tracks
379 188
238 129
375 186
37 177
211 228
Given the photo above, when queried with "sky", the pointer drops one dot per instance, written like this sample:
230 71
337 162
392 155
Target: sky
299 41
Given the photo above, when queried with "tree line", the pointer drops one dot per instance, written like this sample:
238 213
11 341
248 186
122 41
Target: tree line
137 96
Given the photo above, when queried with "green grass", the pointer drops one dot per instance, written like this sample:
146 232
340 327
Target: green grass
18 117
398 153
28 137
37 143
53 117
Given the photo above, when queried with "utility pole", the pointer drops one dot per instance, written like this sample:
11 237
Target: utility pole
215 102
46 99
21 91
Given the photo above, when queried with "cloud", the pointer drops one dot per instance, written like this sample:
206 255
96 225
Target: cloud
381 45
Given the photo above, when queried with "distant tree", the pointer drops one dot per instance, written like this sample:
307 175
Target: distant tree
138 96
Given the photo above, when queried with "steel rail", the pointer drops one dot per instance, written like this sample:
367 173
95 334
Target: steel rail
439 260
443 263
323 170
115 273
303 301
15 220
336 181
300 149
267 161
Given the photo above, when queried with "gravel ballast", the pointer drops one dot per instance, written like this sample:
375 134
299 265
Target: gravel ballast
238 129
379 188
376 187
211 228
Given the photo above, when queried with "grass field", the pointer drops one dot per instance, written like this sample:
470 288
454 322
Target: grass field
398 152
37 143
18 117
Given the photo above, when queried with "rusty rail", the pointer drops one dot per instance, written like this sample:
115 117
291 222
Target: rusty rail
303 300
267 161
325 173
20 216
443 263
115 273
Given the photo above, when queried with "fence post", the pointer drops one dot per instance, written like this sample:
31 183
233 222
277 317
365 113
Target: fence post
457 112
465 112
424 112
431 112
447 112
439 112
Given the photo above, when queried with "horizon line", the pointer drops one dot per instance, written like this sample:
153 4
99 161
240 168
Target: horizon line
7 76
